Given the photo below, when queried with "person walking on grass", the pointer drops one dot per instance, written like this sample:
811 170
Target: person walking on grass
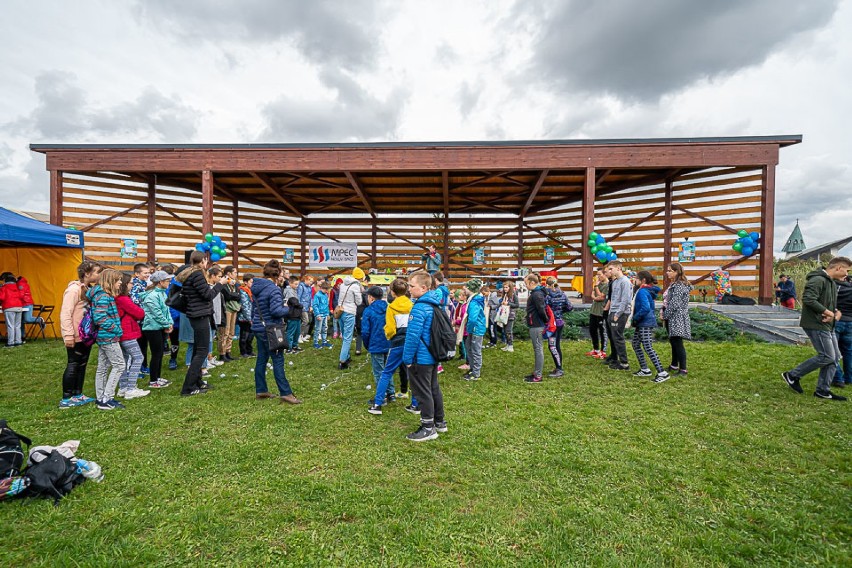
199 295
644 323
422 366
537 319
376 343
269 309
675 314
74 302
108 335
819 314
843 330
619 313
395 328
510 299
476 327
131 316
157 325
596 316
350 298
559 304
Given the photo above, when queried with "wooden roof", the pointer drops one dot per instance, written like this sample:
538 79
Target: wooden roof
513 177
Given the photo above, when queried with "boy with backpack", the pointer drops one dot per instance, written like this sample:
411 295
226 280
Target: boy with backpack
377 344
419 360
395 328
476 327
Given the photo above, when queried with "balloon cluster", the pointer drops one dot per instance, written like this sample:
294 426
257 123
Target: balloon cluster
600 250
214 245
746 243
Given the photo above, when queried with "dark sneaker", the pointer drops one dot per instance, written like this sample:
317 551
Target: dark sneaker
441 426
471 377
682 373
839 384
792 382
662 377
115 404
374 409
532 379
530 376
643 373
192 392
828 395
673 368
413 409
423 434
172 364
342 365
556 373
105 405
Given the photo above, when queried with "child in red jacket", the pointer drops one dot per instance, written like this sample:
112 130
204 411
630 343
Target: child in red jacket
13 307
131 314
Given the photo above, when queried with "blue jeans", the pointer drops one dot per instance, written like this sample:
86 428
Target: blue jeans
263 355
336 325
384 381
320 329
347 323
378 360
293 329
843 330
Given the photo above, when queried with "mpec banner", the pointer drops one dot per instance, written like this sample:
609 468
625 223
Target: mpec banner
332 254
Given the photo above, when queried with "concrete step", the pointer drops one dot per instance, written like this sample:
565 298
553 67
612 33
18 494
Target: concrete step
771 323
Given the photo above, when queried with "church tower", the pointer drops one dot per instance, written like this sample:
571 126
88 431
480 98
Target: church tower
795 243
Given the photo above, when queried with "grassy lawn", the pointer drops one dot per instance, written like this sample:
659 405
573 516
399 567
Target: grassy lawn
726 468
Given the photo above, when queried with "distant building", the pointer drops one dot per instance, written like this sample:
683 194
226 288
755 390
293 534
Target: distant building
795 243
833 248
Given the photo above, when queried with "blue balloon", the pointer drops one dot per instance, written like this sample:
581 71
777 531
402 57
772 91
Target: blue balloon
601 256
217 241
754 236
222 245
199 247
215 257
612 256
747 251
748 243
207 247
600 240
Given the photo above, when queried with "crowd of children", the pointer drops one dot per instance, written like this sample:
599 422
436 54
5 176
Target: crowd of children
135 323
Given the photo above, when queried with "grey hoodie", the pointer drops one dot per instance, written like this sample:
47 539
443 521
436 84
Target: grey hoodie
622 296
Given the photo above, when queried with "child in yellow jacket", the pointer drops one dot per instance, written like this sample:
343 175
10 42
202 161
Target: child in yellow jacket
396 323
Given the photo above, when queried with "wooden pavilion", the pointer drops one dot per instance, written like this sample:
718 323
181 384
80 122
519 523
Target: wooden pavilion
513 198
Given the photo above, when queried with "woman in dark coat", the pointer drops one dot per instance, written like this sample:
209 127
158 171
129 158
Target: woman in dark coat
675 313
199 295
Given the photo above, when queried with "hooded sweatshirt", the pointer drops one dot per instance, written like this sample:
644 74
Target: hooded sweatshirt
372 327
71 312
419 334
104 315
476 324
643 308
350 295
820 294
396 320
130 315
269 308
157 314
10 296
26 293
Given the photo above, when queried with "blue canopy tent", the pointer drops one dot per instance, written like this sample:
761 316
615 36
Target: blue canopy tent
46 255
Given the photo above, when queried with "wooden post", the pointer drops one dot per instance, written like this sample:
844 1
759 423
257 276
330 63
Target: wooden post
521 242
235 235
303 248
766 290
588 227
374 249
446 247
207 201
152 218
667 232
55 197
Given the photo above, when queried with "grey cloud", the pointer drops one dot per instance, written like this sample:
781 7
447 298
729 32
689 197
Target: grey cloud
468 97
355 114
28 190
446 55
642 50
326 32
63 113
815 188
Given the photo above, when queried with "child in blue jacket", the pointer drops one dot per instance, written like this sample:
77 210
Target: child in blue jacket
423 370
373 332
476 327
644 322
319 307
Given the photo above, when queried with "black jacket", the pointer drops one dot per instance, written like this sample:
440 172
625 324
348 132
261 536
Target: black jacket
536 308
199 294
844 299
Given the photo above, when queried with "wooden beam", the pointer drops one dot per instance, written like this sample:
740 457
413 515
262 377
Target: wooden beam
520 258
707 275
588 225
667 232
706 219
534 192
235 232
55 197
565 244
490 201
181 219
334 204
269 184
484 241
151 237
362 194
481 204
765 283
113 216
488 177
303 257
445 190
636 224
373 247
446 247
272 236
206 202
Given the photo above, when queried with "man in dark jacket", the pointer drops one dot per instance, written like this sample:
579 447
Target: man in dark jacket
199 307
819 312
843 330
536 321
785 290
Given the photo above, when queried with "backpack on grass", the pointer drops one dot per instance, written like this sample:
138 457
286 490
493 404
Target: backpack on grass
11 452
53 477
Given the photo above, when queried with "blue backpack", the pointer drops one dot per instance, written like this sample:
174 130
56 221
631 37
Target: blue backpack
87 330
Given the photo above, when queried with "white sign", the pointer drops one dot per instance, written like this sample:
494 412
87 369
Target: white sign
71 239
332 254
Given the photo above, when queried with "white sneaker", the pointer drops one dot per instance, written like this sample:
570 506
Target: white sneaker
123 392
215 362
136 393
509 348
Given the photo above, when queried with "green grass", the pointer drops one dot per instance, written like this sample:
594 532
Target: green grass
726 468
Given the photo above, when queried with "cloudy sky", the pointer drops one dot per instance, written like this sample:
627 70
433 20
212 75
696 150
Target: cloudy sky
205 71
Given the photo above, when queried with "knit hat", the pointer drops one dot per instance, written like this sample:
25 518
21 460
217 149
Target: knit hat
376 292
474 285
160 276
358 274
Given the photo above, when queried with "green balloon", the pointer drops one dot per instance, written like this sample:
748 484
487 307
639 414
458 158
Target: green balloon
593 235
215 250
595 249
742 233
608 248
590 242
737 246
208 237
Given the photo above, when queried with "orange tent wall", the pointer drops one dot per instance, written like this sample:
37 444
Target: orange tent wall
48 270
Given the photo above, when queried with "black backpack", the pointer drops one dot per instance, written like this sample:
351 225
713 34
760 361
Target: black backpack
294 309
54 476
442 337
11 453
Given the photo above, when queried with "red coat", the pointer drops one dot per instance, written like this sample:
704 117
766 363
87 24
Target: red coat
10 296
26 294
130 315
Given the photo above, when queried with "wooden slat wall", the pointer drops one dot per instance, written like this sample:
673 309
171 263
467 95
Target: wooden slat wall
729 196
